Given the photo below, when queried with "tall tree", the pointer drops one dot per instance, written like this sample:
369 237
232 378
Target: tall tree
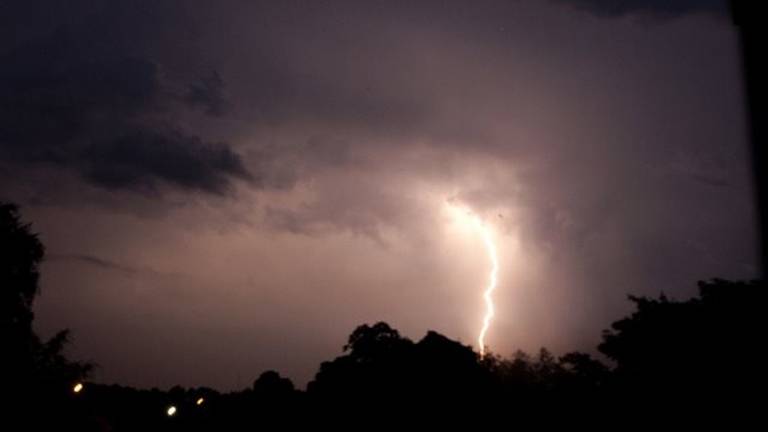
36 372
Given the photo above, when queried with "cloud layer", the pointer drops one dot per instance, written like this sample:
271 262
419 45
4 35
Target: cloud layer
80 99
285 169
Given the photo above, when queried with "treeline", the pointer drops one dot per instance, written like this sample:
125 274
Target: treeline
691 359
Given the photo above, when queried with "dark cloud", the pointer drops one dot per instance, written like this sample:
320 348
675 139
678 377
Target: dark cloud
87 102
653 8
208 93
138 160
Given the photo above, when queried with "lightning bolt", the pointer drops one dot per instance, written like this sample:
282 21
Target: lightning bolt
493 277
470 219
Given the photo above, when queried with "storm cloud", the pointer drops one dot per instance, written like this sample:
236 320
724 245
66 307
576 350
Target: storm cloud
80 99
293 164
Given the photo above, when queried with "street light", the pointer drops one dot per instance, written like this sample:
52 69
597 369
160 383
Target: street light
171 411
77 388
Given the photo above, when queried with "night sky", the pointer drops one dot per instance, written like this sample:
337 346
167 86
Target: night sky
233 186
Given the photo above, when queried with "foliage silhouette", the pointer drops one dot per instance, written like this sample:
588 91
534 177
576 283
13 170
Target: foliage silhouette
696 352
36 372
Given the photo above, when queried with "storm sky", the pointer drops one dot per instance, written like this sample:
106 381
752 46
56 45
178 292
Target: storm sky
233 186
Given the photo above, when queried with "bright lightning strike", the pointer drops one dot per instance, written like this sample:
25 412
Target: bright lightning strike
490 247
486 234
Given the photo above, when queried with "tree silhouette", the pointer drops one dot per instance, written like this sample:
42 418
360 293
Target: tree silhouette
699 351
374 365
36 372
20 256
271 384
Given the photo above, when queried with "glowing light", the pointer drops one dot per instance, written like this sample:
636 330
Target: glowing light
490 247
77 388
200 401
466 216
171 411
